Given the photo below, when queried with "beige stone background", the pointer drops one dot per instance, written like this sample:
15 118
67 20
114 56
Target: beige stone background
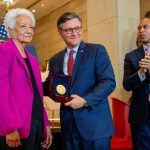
112 23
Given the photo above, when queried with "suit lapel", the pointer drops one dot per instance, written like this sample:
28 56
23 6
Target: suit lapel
140 53
61 61
79 56
18 56
36 71
56 65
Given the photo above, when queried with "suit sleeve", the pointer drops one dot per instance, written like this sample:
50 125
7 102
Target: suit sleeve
131 79
9 116
105 78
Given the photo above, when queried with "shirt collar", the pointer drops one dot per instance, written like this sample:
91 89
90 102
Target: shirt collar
145 47
75 49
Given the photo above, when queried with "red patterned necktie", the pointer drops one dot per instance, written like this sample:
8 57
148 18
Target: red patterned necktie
70 62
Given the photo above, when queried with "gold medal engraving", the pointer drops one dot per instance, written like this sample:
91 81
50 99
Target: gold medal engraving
61 89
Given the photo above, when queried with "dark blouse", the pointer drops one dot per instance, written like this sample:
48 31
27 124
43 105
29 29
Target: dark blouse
37 107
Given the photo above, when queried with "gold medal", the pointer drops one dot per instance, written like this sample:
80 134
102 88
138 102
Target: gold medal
61 89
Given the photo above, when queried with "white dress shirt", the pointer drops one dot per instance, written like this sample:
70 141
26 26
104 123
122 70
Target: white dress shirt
66 57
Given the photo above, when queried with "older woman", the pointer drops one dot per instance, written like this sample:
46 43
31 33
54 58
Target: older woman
24 124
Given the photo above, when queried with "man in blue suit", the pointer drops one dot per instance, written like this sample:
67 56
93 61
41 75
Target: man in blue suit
86 121
137 79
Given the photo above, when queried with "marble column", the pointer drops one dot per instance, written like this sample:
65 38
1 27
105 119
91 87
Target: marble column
113 23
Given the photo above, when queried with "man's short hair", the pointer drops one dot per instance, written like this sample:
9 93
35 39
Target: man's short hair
67 16
147 14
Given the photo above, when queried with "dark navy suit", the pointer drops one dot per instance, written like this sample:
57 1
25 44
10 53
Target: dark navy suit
93 79
139 113
32 50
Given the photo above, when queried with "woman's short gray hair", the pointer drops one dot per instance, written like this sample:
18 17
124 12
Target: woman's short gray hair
10 18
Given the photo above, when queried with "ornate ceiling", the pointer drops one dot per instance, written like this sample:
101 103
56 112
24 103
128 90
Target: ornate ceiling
41 7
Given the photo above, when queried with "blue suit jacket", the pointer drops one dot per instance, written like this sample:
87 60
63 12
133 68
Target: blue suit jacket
93 79
139 107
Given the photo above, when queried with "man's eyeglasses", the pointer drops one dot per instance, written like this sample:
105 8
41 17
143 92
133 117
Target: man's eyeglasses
70 30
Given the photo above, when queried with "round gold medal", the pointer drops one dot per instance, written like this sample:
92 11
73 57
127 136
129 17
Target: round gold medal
61 89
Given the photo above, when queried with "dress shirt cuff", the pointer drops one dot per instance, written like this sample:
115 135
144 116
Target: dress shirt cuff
141 76
85 103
